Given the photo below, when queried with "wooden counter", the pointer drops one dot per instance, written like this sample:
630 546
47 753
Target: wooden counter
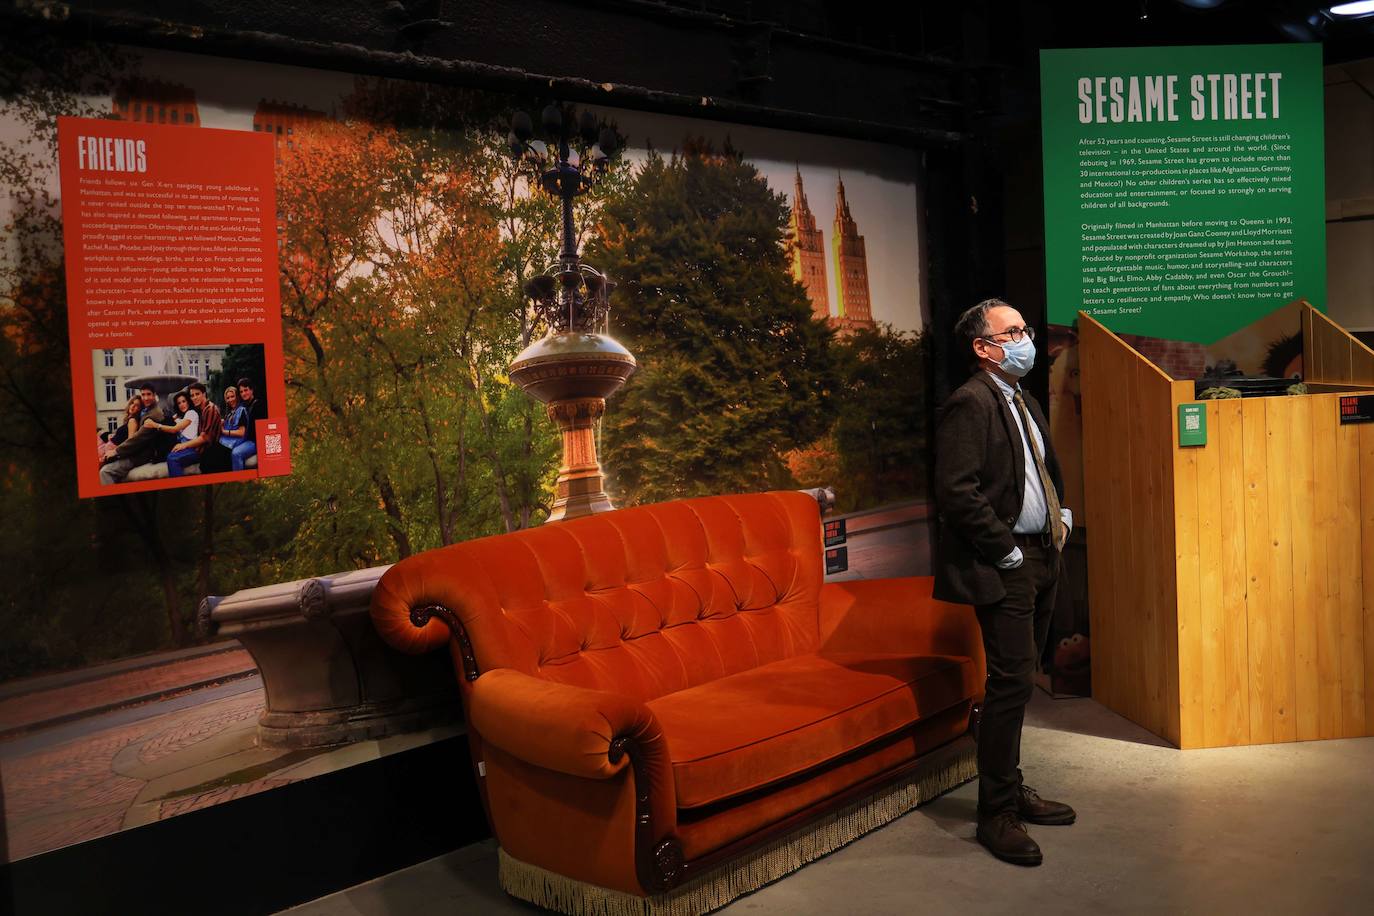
1231 585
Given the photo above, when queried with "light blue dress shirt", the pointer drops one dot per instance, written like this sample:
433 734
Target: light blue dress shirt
1034 507
1033 504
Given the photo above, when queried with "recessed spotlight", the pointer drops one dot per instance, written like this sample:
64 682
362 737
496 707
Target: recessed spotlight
1358 8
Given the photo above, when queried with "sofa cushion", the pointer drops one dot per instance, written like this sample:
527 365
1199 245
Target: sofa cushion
749 730
704 830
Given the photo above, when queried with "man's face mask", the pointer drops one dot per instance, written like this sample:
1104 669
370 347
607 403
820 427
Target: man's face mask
1018 357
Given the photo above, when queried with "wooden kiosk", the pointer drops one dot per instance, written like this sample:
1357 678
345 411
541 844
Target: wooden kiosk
1231 585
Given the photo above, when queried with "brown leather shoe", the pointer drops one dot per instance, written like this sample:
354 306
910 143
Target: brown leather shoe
1005 837
1036 810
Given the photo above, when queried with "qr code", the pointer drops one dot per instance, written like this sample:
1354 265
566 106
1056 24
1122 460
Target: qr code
272 442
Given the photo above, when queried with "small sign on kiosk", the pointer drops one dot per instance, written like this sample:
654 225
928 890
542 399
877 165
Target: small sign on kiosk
1192 424
836 560
1355 408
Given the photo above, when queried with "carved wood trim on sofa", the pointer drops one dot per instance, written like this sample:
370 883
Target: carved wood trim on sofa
660 866
420 618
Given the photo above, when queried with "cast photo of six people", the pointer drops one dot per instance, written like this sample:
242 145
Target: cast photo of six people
195 431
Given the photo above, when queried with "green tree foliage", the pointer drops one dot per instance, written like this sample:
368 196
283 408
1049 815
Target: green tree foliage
240 361
881 426
399 324
734 372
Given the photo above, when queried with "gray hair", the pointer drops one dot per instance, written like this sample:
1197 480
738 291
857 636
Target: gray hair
973 324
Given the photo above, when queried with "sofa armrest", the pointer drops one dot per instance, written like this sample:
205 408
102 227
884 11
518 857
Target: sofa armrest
573 730
896 616
591 734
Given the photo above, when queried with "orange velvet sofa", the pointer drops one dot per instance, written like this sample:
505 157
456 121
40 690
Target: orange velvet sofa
669 707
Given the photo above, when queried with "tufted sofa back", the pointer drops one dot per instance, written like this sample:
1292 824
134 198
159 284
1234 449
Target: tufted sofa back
642 602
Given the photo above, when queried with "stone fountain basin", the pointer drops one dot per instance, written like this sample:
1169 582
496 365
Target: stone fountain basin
157 470
327 675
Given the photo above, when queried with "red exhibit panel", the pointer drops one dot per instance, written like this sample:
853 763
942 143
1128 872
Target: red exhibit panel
173 305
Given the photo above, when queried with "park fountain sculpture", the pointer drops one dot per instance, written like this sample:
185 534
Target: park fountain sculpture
327 677
165 385
166 382
576 365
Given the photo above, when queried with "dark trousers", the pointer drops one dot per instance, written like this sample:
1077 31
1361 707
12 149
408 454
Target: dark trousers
1014 633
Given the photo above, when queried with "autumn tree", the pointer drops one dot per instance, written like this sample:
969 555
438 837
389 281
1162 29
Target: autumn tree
405 251
508 449
406 235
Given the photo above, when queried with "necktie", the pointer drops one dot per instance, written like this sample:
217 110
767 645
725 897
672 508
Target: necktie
1054 523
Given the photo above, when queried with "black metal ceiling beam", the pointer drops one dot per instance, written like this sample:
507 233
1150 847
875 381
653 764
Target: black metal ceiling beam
610 52
656 8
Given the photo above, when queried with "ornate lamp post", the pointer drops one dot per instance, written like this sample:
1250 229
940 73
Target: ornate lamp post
575 367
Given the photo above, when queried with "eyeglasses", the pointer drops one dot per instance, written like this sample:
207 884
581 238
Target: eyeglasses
1012 334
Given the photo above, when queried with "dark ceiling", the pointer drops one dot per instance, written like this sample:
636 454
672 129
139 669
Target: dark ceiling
924 28
920 73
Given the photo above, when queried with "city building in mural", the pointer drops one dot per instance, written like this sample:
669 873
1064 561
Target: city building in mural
117 370
156 102
281 119
853 308
808 253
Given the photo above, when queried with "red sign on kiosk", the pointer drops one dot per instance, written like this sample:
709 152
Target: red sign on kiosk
1357 408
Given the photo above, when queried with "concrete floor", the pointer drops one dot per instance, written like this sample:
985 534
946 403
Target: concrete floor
1274 829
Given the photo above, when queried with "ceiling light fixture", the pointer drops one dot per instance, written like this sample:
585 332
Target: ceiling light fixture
1348 10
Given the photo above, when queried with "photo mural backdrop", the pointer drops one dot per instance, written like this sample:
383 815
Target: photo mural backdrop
769 285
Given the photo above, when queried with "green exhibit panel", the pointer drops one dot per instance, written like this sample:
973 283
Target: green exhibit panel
1183 186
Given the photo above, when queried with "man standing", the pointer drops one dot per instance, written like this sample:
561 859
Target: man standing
188 453
998 491
139 448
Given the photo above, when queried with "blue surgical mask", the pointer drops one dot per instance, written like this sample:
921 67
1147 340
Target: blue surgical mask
1018 357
